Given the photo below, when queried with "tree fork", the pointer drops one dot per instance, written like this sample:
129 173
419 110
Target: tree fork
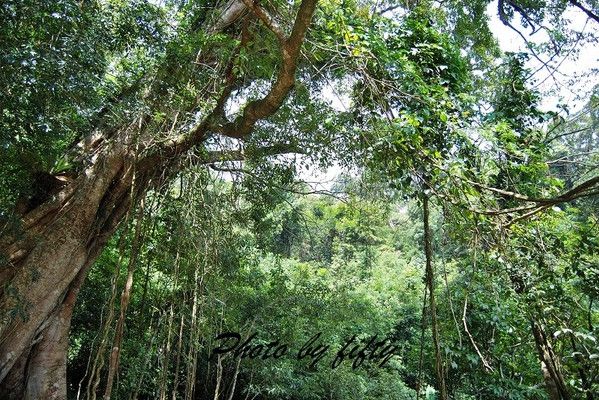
61 238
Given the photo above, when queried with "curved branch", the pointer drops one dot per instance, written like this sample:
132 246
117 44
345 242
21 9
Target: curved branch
253 111
503 17
269 104
588 12
582 190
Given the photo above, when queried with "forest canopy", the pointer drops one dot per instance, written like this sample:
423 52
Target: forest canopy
169 227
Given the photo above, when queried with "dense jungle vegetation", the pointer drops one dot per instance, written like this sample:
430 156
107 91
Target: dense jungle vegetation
162 236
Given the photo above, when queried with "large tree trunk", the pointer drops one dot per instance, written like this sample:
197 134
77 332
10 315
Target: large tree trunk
58 240
47 263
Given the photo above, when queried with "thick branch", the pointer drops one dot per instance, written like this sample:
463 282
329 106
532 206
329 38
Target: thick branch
255 110
588 12
267 19
269 104
576 192
234 10
241 155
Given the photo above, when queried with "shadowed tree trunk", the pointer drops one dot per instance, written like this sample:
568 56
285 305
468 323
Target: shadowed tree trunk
46 263
430 284
550 366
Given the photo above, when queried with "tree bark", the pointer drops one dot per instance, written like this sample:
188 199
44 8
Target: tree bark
550 366
46 263
430 283
46 267
125 298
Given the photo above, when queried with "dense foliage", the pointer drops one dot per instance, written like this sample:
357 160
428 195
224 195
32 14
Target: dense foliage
413 100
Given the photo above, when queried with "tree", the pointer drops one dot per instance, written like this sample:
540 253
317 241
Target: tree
127 117
63 233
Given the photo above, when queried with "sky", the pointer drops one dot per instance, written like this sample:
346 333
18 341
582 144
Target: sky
574 95
568 66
